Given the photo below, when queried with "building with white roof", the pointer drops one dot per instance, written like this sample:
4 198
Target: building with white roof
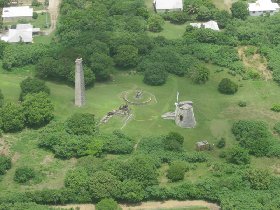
16 13
168 5
210 24
263 7
22 33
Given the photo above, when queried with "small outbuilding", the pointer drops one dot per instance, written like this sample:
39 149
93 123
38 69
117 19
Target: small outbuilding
10 14
168 5
210 24
202 145
261 7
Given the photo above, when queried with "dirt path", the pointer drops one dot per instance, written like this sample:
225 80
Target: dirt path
54 11
153 205
4 147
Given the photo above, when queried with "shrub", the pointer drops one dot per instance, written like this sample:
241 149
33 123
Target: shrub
12 117
103 184
242 103
118 143
107 204
238 155
258 179
126 56
132 191
221 143
176 171
240 10
277 127
1 99
35 15
5 164
38 109
32 85
226 86
199 74
80 124
173 142
276 108
24 174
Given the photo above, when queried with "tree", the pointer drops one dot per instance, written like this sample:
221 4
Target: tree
1 99
38 109
46 68
176 171
24 174
5 164
173 142
12 117
154 75
35 15
107 204
81 124
238 155
32 85
226 86
239 10
155 23
101 65
4 3
126 56
223 18
103 184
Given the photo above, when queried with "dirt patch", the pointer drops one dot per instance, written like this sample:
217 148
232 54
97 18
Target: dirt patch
47 160
256 62
4 147
15 157
152 205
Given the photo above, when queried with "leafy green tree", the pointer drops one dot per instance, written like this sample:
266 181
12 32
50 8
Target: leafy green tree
35 15
24 174
173 142
80 124
227 86
103 184
46 68
107 204
32 85
1 99
176 171
154 75
223 18
126 56
155 23
238 155
5 164
38 109
239 10
259 179
12 117
132 191
101 65
4 3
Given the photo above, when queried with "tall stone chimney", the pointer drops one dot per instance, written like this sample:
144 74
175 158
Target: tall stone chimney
79 83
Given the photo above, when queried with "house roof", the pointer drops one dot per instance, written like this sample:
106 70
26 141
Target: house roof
210 24
23 32
263 5
24 11
168 4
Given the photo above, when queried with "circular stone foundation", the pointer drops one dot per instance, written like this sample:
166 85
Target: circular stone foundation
138 97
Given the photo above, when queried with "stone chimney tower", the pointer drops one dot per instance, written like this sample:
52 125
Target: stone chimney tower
79 83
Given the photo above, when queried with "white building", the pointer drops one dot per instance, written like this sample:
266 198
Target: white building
168 5
22 33
263 7
16 13
210 24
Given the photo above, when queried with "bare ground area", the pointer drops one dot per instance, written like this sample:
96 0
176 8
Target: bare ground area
4 147
54 11
153 205
256 62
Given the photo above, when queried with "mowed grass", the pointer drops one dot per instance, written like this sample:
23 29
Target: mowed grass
214 113
171 31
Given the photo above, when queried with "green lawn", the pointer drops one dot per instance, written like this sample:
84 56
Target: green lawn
214 113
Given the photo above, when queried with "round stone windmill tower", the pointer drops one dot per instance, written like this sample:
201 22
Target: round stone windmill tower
184 116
